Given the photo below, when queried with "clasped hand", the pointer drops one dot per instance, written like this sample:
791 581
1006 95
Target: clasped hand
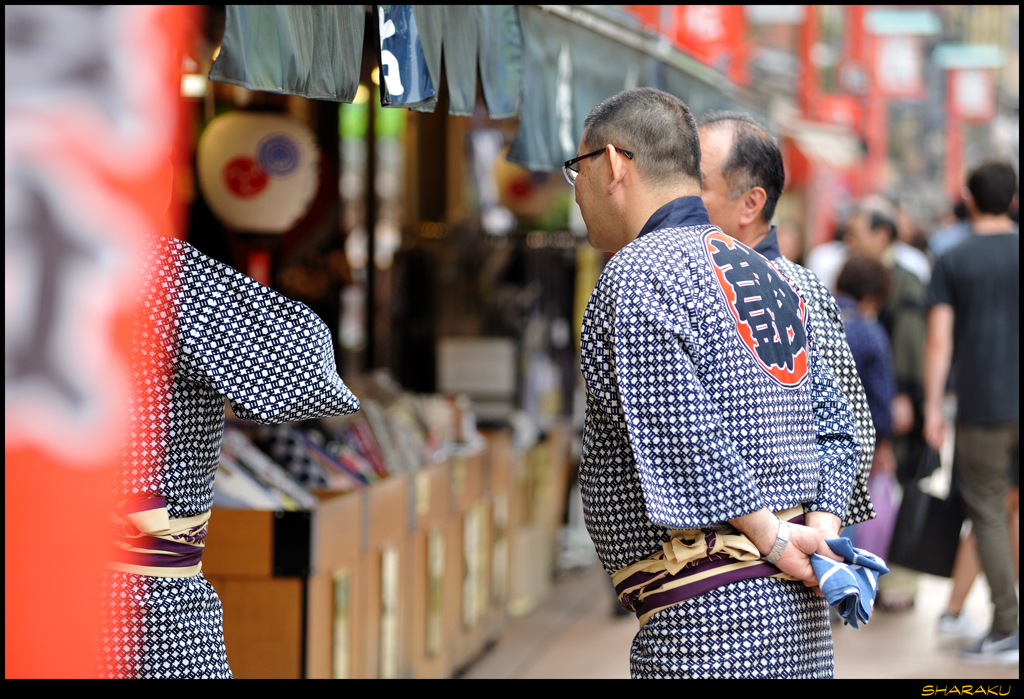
806 540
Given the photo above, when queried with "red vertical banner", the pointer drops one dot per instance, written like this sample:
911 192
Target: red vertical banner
854 78
715 35
876 134
954 140
649 16
92 124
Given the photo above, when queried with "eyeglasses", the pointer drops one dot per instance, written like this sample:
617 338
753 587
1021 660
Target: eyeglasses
570 169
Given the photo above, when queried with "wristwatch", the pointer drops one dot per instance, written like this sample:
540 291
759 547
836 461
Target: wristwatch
781 539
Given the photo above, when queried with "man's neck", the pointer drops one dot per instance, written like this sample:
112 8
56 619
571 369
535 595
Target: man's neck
753 234
984 224
642 212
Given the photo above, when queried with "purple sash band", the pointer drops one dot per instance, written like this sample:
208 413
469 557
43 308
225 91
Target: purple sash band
165 547
158 560
675 595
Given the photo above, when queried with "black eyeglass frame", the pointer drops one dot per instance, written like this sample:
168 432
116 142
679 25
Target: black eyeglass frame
568 166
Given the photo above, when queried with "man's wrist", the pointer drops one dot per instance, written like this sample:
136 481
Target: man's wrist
781 541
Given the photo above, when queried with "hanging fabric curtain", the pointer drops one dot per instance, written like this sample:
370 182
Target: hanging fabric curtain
488 36
309 50
316 51
568 70
406 78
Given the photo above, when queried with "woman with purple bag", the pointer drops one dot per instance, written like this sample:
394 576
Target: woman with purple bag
861 291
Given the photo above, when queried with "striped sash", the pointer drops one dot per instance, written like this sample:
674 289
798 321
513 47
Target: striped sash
148 542
692 562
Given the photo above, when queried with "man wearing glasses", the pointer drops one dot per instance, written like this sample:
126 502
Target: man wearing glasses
708 473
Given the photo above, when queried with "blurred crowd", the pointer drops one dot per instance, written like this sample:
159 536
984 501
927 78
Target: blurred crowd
879 267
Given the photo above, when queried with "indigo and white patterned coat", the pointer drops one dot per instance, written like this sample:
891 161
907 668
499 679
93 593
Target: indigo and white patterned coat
211 334
707 400
835 351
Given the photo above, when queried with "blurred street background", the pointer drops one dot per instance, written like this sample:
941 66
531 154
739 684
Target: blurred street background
398 169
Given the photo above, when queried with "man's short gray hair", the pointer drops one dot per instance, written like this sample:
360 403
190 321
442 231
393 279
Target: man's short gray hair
753 161
658 128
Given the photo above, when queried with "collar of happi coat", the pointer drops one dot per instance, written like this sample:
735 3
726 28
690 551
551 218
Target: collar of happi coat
769 245
678 213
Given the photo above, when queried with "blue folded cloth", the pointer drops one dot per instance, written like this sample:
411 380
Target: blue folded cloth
849 585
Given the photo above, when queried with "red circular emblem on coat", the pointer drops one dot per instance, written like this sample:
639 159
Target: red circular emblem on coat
244 177
770 315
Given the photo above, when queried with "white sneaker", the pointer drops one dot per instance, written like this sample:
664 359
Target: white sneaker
994 649
959 626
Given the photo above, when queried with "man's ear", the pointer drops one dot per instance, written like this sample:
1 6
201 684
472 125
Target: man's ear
619 168
753 201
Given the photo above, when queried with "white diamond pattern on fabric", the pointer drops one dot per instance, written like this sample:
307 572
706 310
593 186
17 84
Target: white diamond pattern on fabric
688 425
162 628
211 334
683 429
835 351
764 628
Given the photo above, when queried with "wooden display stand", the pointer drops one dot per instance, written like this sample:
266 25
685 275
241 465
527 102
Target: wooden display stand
498 492
385 651
539 487
412 576
429 570
467 559
263 629
334 619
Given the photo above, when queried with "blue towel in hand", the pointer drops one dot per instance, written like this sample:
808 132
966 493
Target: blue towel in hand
849 585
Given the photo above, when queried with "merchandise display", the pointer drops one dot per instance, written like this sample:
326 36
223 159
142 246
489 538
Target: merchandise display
284 467
401 525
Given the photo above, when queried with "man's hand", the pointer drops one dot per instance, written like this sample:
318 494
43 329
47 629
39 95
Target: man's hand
885 459
796 559
828 525
902 414
934 427
762 528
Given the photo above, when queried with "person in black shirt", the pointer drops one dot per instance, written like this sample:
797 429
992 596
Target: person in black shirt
973 342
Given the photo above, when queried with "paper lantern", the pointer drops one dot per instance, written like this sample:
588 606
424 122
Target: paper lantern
258 172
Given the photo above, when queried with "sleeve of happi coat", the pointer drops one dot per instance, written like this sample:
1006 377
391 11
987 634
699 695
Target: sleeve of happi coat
834 434
834 349
690 471
270 356
844 369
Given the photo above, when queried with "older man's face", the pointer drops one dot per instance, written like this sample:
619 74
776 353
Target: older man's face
715 145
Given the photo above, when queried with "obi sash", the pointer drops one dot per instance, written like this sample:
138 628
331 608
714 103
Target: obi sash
691 563
148 542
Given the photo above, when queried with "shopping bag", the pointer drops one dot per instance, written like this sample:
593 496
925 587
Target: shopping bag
876 534
927 532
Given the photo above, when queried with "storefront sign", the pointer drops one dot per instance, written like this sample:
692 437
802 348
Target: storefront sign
972 95
899 66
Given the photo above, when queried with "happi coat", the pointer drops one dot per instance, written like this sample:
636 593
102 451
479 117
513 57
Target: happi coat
209 334
834 349
707 400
